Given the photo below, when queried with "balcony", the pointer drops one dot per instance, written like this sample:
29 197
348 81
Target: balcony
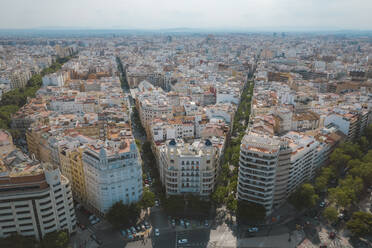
259 195
252 165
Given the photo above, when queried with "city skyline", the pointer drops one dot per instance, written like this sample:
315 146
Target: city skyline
237 15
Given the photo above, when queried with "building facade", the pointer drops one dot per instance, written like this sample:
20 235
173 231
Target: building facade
112 173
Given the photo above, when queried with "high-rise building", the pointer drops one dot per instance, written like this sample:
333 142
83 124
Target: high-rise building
35 199
263 170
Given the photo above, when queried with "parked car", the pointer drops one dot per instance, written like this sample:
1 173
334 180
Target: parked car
130 236
322 204
157 203
187 223
182 241
129 231
182 223
206 223
147 225
341 216
123 233
92 217
173 222
157 233
253 229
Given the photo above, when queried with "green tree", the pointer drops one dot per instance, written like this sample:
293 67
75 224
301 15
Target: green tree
123 215
304 197
363 144
368 134
339 159
340 196
232 203
219 195
139 145
351 149
148 198
364 171
355 184
58 239
321 183
360 224
353 163
330 213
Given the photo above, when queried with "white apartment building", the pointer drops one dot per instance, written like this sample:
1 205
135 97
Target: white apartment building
152 105
112 173
54 79
223 112
271 168
35 199
226 94
347 123
263 170
303 157
189 167
179 128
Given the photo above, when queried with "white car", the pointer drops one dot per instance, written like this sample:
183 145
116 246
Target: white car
182 241
157 233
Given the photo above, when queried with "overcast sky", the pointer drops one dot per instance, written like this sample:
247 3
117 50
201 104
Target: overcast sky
155 14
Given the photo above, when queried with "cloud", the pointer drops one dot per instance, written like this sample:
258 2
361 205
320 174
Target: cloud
148 14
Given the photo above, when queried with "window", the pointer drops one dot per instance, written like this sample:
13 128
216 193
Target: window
10 226
6 220
23 212
26 224
25 218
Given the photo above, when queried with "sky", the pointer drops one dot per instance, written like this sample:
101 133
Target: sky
205 14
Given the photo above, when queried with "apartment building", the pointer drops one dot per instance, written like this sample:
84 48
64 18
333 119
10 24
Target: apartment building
263 169
347 123
112 171
302 160
35 199
189 167
71 164
152 105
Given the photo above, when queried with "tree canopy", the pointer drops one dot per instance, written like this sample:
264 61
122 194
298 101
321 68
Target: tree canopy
360 224
330 213
120 215
304 197
58 239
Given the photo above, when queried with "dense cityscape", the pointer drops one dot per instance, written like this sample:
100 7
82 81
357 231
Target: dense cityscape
186 140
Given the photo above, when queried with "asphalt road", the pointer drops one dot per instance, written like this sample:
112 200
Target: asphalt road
195 238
